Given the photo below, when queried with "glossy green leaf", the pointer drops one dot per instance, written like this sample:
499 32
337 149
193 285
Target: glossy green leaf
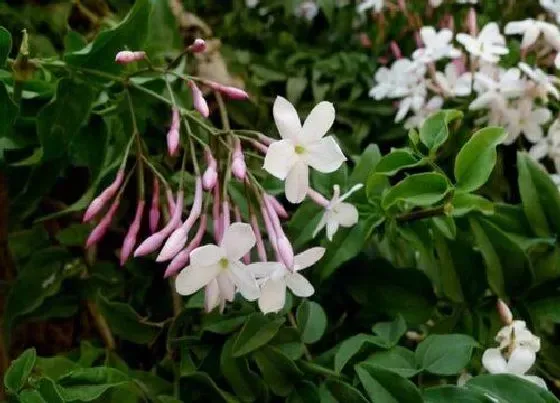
477 158
448 393
344 392
354 345
434 131
391 332
510 389
311 321
384 386
304 392
397 160
295 86
279 372
464 203
419 190
20 369
5 46
89 384
366 164
257 331
445 354
398 360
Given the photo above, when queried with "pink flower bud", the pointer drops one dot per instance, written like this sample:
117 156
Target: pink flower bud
210 176
182 259
229 92
269 229
238 166
286 251
99 202
365 41
265 139
317 197
199 102
154 209
459 64
198 46
471 22
504 312
216 218
260 147
130 238
261 250
154 241
280 210
126 56
170 201
395 50
173 135
101 229
173 245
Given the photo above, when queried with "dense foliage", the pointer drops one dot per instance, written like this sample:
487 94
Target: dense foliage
407 302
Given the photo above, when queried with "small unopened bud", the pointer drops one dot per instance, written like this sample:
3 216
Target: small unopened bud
198 46
229 92
280 210
504 312
182 259
317 197
238 166
396 50
210 176
101 229
260 147
471 22
99 202
170 201
173 135
126 56
173 245
286 251
199 102
130 238
265 139
269 229
154 208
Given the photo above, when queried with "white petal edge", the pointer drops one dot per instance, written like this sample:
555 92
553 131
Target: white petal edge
238 240
193 278
206 255
286 118
318 122
273 296
245 281
493 361
308 258
324 155
299 285
297 183
280 158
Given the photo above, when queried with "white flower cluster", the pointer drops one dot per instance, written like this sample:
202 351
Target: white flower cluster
517 98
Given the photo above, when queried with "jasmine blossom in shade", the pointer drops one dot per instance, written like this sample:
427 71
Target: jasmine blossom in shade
338 213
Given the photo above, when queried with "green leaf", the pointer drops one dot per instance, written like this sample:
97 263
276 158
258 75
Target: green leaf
163 33
295 86
257 331
20 369
539 196
90 383
398 159
448 393
477 158
344 392
245 383
398 360
434 131
391 332
130 34
55 367
8 113
125 322
419 190
510 389
75 234
215 322
464 203
385 386
204 379
365 165
60 120
311 321
355 345
5 47
279 372
445 354
304 392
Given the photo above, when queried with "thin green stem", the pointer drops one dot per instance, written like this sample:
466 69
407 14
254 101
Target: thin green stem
292 321
136 134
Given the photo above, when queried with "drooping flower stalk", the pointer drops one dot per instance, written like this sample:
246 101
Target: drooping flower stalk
100 201
132 234
101 229
182 259
154 208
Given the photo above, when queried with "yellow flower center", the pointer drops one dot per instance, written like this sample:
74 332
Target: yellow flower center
223 263
299 149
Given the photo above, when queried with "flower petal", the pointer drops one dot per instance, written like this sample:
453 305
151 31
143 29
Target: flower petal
299 285
273 296
308 258
264 269
332 227
244 280
238 240
286 118
521 360
324 155
280 158
226 286
206 255
321 225
193 278
211 296
493 361
297 183
318 122
346 214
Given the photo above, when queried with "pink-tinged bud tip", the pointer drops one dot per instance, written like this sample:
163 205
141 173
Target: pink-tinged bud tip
229 92
173 139
504 312
199 102
154 208
173 245
101 229
182 259
126 56
286 251
130 238
99 202
279 208
238 166
198 46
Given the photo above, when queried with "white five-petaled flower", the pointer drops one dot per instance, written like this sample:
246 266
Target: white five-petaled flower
549 145
544 84
489 45
531 30
220 268
496 92
527 119
338 213
398 81
437 45
302 147
516 353
453 84
274 277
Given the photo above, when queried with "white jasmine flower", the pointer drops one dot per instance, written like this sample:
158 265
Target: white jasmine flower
220 266
556 180
435 3
307 9
437 45
496 92
466 1
397 81
543 83
531 30
553 7
549 145
527 119
274 278
557 60
338 213
452 84
416 121
415 100
518 334
302 147
375 5
489 45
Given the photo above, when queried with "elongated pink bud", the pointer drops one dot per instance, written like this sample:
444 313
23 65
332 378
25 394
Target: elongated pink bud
317 197
270 230
286 251
261 250
273 215
182 259
365 41
229 92
237 213
471 22
126 56
216 217
99 202
260 147
170 201
173 135
130 238
395 50
504 312
198 46
280 210
238 166
101 229
154 208
210 176
154 241
265 139
199 102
